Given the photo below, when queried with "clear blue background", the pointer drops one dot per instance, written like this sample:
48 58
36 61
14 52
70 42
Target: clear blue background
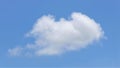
18 16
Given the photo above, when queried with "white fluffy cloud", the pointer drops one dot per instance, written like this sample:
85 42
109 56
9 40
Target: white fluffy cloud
57 37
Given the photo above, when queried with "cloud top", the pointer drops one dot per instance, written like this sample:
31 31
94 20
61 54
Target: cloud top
57 37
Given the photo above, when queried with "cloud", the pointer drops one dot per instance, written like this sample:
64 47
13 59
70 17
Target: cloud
15 51
57 37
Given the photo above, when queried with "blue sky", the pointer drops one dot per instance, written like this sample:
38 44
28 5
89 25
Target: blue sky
17 17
